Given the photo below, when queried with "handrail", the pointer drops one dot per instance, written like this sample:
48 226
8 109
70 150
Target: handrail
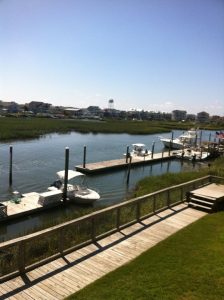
19 249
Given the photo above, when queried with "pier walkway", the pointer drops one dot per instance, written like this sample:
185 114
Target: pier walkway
72 272
103 166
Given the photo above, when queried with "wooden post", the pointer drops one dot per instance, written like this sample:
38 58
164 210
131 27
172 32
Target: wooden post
10 164
84 157
200 138
129 169
209 139
171 142
138 211
21 257
66 174
127 154
118 219
153 147
93 231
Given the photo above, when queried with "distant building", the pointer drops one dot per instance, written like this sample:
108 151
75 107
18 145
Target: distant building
9 107
191 117
203 117
179 115
38 107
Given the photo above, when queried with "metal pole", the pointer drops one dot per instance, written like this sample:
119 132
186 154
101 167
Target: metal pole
10 164
84 157
66 174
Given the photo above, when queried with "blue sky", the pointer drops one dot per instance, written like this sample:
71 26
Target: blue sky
155 55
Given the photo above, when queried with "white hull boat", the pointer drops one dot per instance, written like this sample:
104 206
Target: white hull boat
139 150
188 138
193 155
78 193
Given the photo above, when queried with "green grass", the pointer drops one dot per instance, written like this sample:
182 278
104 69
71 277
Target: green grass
187 265
24 128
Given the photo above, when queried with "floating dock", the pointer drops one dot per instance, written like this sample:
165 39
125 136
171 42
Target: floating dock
29 204
108 165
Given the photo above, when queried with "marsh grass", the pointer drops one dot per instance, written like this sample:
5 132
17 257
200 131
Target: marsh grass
26 128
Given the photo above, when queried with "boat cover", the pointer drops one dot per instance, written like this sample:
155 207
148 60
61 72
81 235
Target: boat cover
71 174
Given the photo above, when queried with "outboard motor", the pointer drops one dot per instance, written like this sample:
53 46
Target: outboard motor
57 184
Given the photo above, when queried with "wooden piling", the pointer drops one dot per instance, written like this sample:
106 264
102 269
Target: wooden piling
10 164
84 157
153 147
129 169
66 174
127 154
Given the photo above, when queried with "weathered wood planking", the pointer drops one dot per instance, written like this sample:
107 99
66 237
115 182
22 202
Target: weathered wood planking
66 275
103 166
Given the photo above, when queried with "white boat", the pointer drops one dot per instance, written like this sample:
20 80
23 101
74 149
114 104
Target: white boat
139 150
188 138
78 193
194 155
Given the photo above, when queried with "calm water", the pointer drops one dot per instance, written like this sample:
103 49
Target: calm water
36 162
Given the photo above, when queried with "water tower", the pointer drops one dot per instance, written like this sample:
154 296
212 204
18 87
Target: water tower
111 104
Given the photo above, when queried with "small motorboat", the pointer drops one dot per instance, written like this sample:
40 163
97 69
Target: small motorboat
193 155
78 193
188 138
139 150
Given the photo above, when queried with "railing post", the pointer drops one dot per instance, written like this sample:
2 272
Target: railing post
93 233
61 240
118 219
168 198
154 203
138 211
181 193
21 257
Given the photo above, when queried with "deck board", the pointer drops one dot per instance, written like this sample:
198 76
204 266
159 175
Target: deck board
64 276
103 166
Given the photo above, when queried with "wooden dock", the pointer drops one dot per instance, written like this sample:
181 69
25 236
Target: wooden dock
28 205
70 273
108 165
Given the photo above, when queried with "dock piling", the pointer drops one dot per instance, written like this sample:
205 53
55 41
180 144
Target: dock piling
129 169
66 174
153 146
10 164
84 157
127 154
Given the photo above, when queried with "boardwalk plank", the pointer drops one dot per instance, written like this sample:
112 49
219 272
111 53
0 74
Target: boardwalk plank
64 276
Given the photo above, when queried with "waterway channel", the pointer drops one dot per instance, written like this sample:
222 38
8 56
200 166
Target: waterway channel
35 163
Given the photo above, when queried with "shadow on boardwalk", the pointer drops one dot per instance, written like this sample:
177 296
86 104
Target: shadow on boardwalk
77 269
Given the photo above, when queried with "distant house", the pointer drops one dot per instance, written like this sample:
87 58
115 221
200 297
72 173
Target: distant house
203 117
38 107
9 107
179 115
73 111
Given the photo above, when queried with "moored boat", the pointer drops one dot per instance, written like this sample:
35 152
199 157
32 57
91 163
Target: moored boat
188 138
78 193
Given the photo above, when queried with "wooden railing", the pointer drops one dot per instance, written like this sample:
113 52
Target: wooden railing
25 253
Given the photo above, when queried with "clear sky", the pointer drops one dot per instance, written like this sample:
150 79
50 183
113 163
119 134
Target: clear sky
155 55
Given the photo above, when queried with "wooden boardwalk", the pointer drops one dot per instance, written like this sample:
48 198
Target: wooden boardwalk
74 271
103 166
